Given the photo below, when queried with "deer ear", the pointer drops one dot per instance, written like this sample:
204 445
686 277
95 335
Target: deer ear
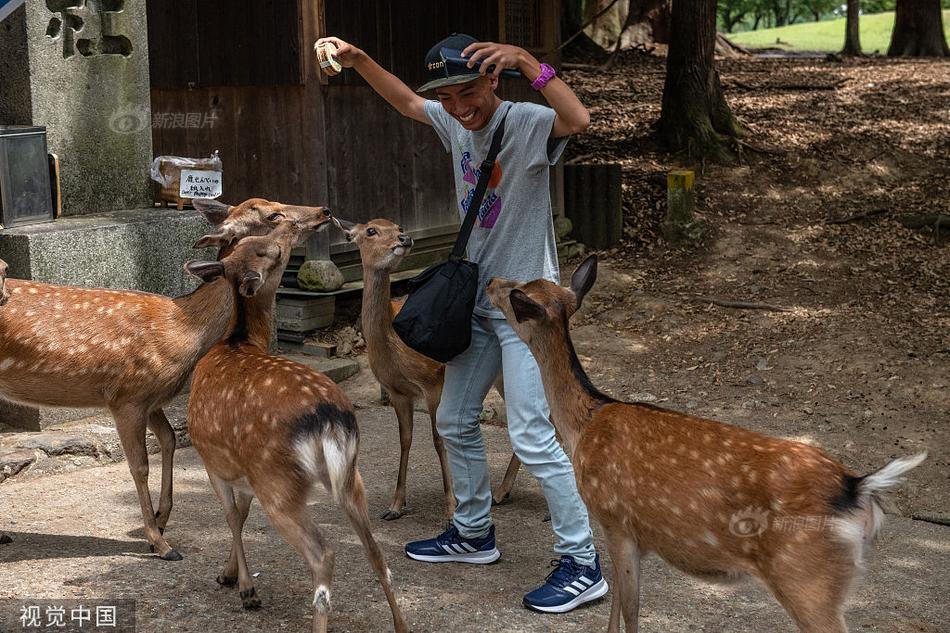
215 212
251 283
205 271
218 238
346 227
583 279
525 307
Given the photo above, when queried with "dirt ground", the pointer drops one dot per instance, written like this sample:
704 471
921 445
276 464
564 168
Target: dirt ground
78 535
859 365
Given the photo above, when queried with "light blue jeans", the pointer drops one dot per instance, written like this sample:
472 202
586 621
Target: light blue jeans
468 377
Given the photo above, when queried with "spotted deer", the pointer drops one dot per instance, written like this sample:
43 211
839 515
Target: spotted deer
405 374
714 500
129 352
270 428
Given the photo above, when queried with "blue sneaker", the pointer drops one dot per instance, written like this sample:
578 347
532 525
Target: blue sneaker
567 587
452 547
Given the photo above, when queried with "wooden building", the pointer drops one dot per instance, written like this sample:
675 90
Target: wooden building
287 133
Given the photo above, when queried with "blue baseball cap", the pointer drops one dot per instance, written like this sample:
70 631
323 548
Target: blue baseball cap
444 63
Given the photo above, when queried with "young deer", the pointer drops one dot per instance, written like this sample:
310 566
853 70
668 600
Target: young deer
697 492
130 352
405 374
275 429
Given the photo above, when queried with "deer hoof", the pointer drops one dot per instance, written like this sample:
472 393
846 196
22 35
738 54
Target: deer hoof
503 500
172 555
547 518
392 515
249 599
5 538
226 581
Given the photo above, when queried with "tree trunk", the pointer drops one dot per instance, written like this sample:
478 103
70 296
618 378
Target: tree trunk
574 15
695 115
727 20
732 21
918 30
852 33
778 8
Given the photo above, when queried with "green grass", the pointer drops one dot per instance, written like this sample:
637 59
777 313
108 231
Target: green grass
827 36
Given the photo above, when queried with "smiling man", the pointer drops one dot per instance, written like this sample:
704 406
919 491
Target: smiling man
513 239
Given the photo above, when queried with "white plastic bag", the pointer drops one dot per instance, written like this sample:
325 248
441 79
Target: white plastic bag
167 177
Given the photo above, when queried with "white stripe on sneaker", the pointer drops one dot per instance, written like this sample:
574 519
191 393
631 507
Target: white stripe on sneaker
595 591
448 549
578 585
571 590
587 581
459 549
482 557
469 547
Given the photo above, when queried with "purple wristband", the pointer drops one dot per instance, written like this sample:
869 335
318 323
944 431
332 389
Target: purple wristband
547 74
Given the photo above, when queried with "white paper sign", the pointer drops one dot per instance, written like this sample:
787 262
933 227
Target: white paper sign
199 184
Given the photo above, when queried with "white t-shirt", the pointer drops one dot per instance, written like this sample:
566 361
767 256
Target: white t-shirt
513 237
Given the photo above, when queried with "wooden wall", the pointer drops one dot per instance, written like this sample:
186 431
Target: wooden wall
298 137
271 135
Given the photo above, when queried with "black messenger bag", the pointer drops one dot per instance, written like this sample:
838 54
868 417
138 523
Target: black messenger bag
436 319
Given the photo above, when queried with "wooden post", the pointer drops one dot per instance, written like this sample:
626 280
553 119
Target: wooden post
593 202
680 223
614 204
318 245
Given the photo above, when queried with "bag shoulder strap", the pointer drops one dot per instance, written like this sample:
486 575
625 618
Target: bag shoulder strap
487 167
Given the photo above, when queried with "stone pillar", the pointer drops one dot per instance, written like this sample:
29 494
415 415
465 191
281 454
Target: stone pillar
80 69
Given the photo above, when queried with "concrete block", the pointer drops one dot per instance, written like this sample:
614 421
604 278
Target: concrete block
141 249
82 72
337 369
30 419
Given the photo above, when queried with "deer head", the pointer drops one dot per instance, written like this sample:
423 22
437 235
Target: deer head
542 304
255 216
382 243
255 262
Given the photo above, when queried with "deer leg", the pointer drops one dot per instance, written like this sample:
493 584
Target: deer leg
403 407
353 499
130 425
235 515
503 492
625 559
159 425
298 528
433 406
229 577
814 600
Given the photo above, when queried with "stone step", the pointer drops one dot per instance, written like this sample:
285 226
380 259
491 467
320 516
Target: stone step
337 369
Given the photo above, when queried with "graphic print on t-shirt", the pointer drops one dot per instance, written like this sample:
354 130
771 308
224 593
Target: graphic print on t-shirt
491 204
